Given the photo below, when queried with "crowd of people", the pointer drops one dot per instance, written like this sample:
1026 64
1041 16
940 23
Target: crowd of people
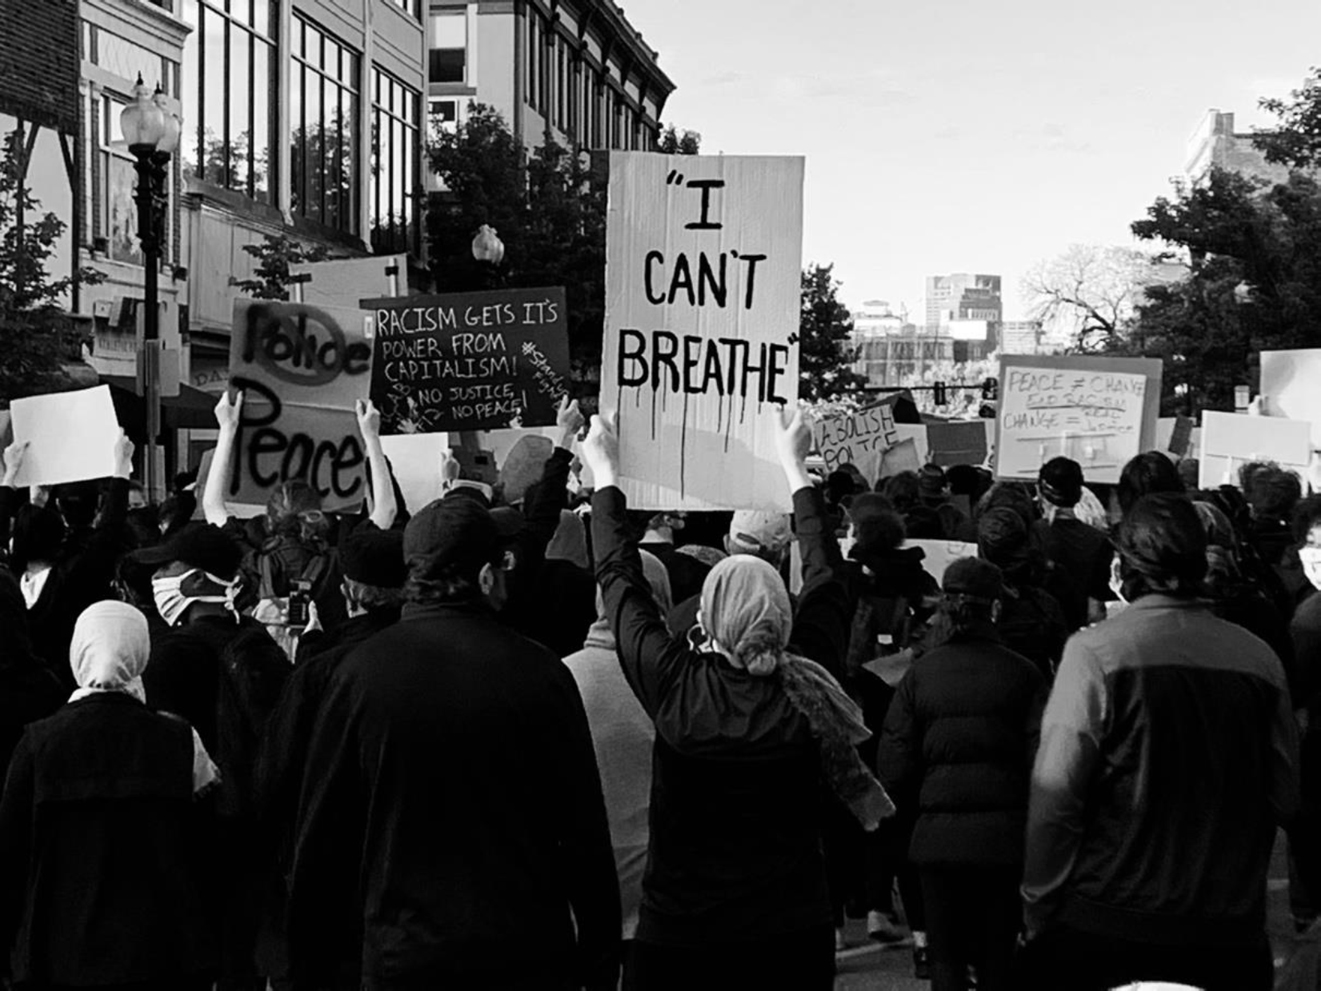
556 743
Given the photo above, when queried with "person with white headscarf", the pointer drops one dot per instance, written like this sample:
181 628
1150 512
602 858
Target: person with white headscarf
101 835
750 736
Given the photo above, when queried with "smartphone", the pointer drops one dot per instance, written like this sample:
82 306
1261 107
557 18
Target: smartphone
300 594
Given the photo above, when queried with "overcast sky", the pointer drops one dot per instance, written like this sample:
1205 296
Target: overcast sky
970 135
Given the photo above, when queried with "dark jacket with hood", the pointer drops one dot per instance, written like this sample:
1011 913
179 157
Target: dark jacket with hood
958 745
737 796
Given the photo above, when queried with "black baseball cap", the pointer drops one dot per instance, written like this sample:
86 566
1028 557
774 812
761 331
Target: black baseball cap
201 546
451 534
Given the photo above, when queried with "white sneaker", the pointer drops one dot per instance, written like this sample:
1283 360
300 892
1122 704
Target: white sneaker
884 929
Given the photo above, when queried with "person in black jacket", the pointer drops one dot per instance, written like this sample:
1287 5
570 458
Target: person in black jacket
1031 621
451 807
959 742
64 554
101 843
1079 554
747 734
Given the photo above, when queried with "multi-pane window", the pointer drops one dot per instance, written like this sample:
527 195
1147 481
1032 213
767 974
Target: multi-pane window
129 60
323 108
444 115
448 51
228 121
394 164
407 6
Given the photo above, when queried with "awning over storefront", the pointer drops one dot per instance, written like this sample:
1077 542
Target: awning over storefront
192 409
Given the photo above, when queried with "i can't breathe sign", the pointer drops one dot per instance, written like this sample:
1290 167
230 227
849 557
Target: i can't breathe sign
701 327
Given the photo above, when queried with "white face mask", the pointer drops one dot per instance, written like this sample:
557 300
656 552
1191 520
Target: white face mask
1311 561
171 603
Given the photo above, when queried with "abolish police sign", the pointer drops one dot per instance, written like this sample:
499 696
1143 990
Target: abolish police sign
301 368
703 280
469 361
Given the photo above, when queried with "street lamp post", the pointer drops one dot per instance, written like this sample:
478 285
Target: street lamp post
152 134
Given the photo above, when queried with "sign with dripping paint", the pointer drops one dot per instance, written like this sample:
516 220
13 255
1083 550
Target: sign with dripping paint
1098 411
470 361
301 368
703 280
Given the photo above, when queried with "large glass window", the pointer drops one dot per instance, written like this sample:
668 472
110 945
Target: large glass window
323 105
394 164
448 53
228 94
129 60
118 220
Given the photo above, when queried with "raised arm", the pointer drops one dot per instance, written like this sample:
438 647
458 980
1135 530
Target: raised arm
8 494
649 656
213 497
384 505
114 511
552 494
825 612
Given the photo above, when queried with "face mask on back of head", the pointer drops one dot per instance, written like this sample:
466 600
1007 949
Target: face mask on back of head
171 602
1310 558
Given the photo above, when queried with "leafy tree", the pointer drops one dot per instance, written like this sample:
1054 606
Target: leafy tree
1254 283
1296 143
36 334
275 254
1088 296
825 330
675 142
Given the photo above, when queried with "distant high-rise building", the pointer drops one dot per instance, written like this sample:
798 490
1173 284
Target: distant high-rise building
968 309
963 297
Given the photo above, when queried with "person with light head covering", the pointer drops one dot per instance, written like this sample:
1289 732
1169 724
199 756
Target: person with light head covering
750 735
622 734
101 841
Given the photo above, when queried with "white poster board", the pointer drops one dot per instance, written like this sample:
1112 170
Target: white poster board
1291 383
71 436
1231 440
1098 411
416 460
703 283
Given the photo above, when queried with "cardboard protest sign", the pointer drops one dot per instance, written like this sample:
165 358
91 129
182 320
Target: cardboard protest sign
938 555
857 439
917 433
345 282
1174 435
470 361
524 466
703 282
1098 411
957 442
71 436
301 369
1231 440
1289 381
900 458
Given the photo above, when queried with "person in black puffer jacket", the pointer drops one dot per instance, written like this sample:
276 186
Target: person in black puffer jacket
958 743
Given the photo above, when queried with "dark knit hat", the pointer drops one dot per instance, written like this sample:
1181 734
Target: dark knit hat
1002 536
1060 481
455 535
375 557
931 482
975 578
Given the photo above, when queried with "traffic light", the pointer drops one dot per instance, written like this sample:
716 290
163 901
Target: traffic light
939 395
990 390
